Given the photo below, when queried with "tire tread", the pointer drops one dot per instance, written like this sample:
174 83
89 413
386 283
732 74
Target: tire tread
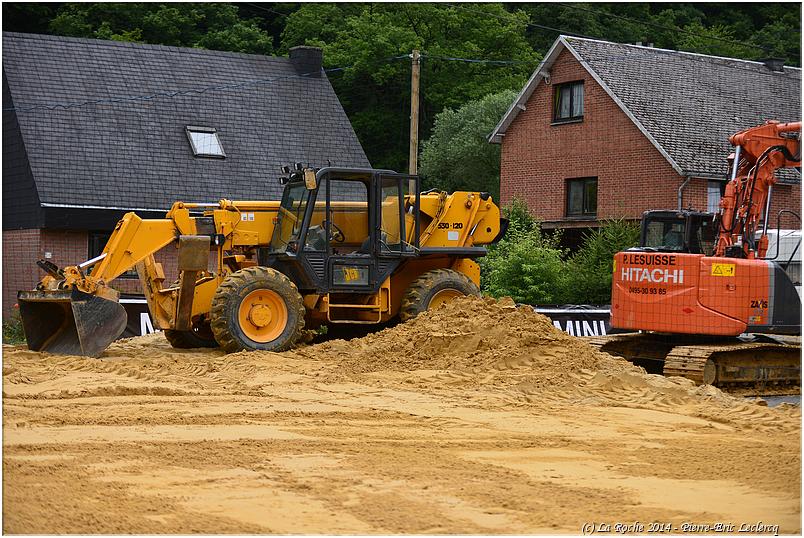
413 300
230 287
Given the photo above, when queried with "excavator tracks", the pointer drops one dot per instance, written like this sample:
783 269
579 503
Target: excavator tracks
725 363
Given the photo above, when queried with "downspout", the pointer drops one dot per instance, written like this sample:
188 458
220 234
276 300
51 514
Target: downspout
681 192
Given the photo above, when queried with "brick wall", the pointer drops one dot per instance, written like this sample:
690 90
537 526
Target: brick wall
22 248
785 197
537 159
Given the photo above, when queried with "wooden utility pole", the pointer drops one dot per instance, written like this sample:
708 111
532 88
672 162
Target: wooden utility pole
413 161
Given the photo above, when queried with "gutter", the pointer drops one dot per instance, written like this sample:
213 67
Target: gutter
681 192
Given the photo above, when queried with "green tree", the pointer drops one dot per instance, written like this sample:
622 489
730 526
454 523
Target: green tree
204 25
742 30
718 40
457 155
375 90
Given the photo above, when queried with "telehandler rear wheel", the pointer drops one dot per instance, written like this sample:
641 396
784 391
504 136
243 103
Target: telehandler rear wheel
434 288
200 336
257 308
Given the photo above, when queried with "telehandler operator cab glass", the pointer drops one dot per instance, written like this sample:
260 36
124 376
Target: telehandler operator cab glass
290 217
396 218
343 224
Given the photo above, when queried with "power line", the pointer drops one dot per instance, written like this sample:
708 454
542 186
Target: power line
180 93
165 93
269 10
531 24
662 27
476 61
271 80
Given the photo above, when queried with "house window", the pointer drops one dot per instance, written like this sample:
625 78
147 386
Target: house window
714 191
95 244
205 142
568 102
582 197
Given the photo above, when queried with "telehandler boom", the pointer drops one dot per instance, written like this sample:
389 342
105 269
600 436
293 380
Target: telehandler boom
342 246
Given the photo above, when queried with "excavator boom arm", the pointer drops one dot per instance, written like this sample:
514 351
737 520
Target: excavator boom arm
760 152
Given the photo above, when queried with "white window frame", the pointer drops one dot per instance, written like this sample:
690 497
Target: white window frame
190 129
713 196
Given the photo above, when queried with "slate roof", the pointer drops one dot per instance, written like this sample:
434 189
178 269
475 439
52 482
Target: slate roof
135 154
688 104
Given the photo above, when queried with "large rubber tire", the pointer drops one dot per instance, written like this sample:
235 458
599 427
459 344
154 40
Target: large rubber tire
266 292
198 337
432 289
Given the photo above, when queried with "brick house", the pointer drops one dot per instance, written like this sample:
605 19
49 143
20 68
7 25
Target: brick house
70 172
606 130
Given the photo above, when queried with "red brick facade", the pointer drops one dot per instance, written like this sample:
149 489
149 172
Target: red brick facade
633 176
22 248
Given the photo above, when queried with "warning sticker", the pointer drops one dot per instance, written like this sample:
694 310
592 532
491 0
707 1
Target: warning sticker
723 269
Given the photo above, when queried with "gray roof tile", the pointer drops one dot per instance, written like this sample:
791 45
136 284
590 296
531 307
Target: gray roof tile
135 154
691 103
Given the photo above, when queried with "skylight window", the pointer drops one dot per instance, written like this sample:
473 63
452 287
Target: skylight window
205 142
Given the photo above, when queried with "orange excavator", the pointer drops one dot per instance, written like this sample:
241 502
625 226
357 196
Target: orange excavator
708 302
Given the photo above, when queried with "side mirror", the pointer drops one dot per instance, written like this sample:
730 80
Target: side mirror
309 179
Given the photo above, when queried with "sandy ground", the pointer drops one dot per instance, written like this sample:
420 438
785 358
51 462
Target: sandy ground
477 418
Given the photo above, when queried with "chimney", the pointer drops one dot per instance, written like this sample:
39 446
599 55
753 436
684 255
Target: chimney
774 64
307 60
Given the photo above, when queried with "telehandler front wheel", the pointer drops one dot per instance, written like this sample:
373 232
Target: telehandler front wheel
257 308
434 288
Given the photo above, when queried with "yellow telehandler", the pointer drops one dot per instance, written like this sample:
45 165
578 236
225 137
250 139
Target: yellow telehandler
342 246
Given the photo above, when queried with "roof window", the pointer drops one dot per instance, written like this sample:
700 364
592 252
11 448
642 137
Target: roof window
205 142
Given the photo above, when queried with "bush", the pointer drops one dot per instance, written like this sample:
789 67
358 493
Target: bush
531 267
526 264
590 268
12 329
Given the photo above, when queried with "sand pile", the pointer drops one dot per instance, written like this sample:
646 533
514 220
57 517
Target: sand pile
470 335
477 418
519 358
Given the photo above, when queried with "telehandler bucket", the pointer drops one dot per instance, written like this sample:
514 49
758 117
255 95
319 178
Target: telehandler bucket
70 322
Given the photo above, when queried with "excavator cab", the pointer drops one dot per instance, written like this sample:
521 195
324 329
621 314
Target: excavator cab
690 232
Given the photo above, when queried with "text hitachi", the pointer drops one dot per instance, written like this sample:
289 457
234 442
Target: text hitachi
658 276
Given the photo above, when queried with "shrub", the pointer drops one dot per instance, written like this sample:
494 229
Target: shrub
526 264
531 267
590 267
12 329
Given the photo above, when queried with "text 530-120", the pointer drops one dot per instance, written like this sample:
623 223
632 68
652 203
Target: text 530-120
647 291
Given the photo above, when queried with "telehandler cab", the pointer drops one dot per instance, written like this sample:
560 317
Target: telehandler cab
342 246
